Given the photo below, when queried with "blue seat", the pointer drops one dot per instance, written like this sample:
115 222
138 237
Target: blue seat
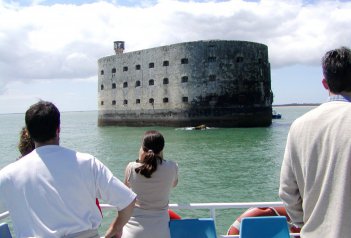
193 228
264 227
5 231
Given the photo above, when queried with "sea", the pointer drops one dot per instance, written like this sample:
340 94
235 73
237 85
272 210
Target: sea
215 165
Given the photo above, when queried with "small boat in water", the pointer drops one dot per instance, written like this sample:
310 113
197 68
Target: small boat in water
276 115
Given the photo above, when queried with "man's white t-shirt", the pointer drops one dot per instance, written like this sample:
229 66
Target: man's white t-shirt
52 192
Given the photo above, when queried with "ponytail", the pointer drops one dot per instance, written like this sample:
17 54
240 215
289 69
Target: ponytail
149 165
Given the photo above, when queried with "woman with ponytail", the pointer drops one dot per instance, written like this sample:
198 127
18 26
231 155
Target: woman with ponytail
151 177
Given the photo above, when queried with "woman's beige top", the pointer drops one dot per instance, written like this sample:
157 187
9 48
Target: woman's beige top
152 193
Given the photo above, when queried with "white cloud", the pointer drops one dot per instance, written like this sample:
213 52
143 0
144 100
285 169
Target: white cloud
64 41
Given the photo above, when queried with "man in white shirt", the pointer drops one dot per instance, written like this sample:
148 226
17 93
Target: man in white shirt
52 191
316 170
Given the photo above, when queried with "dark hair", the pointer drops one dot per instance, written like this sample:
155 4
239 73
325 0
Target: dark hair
153 143
337 69
25 144
42 121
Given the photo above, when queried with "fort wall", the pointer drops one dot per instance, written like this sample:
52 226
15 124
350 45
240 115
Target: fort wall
219 83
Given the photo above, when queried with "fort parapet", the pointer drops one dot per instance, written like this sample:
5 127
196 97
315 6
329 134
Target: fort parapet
218 83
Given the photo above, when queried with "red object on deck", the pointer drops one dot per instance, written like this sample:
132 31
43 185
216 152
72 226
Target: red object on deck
234 229
173 215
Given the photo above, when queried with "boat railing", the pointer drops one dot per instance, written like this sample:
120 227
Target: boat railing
212 207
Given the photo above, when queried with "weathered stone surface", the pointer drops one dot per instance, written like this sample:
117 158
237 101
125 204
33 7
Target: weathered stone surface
217 83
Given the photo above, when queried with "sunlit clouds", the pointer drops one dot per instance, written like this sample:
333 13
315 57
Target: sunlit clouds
42 40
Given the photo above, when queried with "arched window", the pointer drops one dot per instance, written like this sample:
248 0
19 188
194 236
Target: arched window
113 85
125 85
102 72
184 79
125 68
151 65
151 82
137 67
102 103
165 100
113 70
151 100
137 101
165 81
114 102
125 102
137 83
184 99
166 63
102 87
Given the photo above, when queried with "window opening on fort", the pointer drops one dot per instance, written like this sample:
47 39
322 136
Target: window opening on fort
165 81
165 100
184 79
151 82
137 83
239 59
137 101
125 102
184 61
125 68
114 102
184 99
166 63
137 67
151 65
151 100
125 85
113 85
102 72
102 103
212 77
113 70
212 59
102 87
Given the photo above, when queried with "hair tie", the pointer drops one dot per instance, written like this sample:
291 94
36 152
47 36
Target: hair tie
150 151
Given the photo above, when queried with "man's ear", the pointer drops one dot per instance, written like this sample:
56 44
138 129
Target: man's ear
58 131
325 84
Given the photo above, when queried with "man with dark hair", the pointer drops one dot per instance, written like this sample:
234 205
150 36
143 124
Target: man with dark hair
315 174
52 191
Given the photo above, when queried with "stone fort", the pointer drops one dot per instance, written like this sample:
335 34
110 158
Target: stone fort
219 83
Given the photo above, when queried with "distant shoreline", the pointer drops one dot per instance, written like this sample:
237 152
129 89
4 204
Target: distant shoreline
297 105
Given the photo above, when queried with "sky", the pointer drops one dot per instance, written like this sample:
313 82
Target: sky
49 49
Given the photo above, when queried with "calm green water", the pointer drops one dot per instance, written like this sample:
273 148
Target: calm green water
216 165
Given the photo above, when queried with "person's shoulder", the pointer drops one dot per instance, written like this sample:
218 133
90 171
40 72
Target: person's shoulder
133 164
83 155
9 169
312 115
170 163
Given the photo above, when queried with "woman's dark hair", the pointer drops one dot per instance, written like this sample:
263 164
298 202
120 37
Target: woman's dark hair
153 143
26 144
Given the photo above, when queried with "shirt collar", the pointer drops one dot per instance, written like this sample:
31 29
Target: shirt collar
339 97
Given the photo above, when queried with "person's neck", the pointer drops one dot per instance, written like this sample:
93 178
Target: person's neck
342 96
346 94
53 141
